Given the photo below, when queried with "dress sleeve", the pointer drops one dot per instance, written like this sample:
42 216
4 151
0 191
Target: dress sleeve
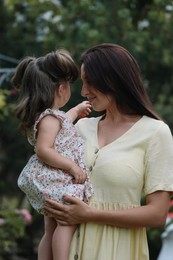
60 115
159 161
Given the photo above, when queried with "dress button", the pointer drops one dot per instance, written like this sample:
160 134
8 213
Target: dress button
96 150
90 168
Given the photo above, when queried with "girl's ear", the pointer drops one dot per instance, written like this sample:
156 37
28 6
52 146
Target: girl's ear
60 90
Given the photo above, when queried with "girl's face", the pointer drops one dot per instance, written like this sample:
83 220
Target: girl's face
97 99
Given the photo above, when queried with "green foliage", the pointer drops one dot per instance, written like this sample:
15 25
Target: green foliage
165 106
5 106
144 27
11 230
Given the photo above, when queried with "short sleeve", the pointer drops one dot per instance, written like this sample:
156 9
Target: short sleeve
159 161
60 115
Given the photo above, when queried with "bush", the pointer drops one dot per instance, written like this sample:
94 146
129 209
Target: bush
13 225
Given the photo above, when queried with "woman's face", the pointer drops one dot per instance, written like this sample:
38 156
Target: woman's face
97 99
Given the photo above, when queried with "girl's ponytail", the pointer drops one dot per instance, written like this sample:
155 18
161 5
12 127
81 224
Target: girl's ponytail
20 71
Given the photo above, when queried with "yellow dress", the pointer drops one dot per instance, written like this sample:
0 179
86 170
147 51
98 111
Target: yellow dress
138 162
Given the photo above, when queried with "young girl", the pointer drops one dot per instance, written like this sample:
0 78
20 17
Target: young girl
57 167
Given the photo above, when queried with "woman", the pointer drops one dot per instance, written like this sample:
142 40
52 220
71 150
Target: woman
129 151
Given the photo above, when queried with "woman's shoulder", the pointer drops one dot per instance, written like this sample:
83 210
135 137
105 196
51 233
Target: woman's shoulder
88 121
154 123
88 125
155 127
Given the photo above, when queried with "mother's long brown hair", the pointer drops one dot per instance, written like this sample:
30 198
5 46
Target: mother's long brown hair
111 69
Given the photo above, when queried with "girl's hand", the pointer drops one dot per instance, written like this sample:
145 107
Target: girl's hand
84 109
81 110
78 174
72 214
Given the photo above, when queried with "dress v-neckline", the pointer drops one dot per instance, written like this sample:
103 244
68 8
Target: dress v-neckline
118 138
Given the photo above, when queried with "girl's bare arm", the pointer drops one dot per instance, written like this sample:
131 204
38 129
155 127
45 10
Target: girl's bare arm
81 110
48 128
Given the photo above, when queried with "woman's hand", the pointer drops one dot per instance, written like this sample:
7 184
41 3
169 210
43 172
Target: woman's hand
74 213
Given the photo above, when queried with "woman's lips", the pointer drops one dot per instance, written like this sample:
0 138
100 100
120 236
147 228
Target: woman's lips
90 99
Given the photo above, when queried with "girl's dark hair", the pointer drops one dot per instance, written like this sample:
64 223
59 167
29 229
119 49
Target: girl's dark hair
37 80
111 69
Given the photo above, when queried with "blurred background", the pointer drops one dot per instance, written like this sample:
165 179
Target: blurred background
35 27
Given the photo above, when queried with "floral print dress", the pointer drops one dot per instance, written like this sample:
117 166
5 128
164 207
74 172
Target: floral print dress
40 181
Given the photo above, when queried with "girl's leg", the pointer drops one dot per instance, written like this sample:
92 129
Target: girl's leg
45 246
61 242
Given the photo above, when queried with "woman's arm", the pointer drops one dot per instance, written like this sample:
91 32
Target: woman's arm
48 128
153 214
